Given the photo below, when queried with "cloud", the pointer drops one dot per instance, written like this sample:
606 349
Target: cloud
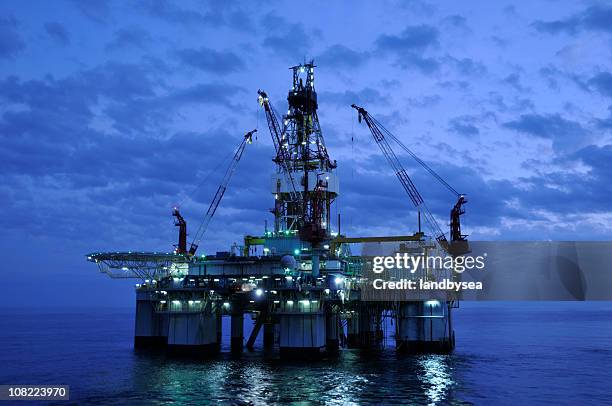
605 123
412 38
217 13
97 11
594 18
288 40
455 20
551 74
11 42
210 60
468 66
602 82
464 125
339 56
58 33
129 98
172 13
364 96
409 46
425 101
514 80
564 133
499 41
207 93
129 37
545 126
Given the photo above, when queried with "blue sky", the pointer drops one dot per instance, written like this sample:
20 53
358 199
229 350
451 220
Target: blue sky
112 112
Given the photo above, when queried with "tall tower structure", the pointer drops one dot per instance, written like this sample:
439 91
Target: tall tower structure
304 184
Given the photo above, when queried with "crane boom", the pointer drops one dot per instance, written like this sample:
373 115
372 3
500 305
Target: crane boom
402 175
282 155
212 208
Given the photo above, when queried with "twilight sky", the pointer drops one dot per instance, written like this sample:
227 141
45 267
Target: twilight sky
112 112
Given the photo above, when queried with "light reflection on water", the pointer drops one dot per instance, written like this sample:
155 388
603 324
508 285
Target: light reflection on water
506 354
353 378
436 377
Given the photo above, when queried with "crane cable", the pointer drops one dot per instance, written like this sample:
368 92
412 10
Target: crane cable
416 158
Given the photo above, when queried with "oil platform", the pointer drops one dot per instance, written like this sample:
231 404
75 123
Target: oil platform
299 282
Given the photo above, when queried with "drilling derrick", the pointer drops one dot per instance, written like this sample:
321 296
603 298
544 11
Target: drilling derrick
304 184
300 281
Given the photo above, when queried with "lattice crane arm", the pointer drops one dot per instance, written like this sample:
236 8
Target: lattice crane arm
282 155
402 175
214 204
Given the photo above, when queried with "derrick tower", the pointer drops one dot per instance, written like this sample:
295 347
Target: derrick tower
304 184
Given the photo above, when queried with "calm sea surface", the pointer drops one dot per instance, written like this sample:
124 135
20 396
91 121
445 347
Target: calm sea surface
507 353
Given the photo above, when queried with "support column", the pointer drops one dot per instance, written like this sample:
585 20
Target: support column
193 333
268 333
302 334
255 331
370 328
219 327
424 327
332 331
237 331
352 331
150 331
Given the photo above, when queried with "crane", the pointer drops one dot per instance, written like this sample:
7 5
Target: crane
179 221
458 244
248 139
282 155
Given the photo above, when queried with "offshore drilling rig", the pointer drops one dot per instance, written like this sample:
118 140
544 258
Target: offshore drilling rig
300 281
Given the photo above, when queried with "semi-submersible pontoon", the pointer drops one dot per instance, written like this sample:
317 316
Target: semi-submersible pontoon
299 281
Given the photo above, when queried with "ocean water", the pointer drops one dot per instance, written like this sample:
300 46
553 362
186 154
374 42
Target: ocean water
507 353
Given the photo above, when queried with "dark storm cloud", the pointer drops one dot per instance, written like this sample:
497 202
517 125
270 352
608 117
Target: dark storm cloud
408 47
339 56
58 33
594 18
129 37
210 60
11 42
